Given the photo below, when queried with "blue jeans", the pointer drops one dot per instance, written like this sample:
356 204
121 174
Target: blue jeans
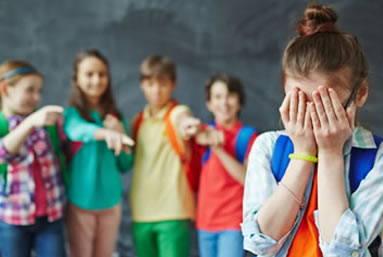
47 239
225 243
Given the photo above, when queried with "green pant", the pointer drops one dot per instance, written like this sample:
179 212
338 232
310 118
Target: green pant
162 239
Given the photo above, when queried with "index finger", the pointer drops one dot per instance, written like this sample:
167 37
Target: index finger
337 105
54 108
195 122
284 109
110 117
127 141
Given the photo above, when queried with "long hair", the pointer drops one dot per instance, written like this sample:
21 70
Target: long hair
77 98
322 47
12 65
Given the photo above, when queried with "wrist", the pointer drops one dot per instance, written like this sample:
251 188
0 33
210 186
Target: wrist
28 123
303 157
303 151
217 149
330 153
185 136
100 134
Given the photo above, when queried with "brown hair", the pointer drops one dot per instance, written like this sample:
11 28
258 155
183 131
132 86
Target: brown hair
12 65
322 47
77 98
158 66
233 84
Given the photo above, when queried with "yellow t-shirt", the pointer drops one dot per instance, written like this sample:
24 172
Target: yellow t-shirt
159 189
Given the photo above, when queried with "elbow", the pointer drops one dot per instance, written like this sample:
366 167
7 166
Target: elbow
344 243
258 243
259 248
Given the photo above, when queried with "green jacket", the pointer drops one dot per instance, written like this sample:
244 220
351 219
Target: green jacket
94 179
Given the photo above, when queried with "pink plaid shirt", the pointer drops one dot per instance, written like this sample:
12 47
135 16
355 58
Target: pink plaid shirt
17 204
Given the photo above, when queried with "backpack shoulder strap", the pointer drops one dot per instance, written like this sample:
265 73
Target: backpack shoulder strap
4 130
56 138
362 161
280 158
242 141
137 123
4 125
189 156
172 135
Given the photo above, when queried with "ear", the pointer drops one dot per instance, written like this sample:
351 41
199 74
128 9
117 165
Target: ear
362 94
3 88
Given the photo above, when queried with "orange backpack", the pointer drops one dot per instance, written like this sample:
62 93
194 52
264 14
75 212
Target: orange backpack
190 154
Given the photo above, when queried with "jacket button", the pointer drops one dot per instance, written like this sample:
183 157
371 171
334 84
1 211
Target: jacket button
355 254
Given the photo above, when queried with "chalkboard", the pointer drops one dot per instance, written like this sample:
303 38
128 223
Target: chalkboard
242 37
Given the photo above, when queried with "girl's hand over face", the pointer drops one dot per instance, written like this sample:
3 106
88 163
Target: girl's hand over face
297 121
332 124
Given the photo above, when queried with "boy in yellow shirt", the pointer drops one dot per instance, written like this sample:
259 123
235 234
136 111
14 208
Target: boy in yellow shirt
162 200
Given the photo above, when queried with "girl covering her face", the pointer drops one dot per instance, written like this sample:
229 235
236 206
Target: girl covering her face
309 189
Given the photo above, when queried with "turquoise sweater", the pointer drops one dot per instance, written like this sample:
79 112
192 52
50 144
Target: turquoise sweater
94 170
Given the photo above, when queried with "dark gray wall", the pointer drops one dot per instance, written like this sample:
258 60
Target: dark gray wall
244 37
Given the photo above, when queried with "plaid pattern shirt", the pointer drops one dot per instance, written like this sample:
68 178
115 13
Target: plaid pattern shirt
357 227
17 204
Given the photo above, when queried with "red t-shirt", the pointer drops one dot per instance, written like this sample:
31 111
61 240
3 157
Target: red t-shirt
220 195
40 194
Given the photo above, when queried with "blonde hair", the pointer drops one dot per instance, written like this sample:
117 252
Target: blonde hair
12 65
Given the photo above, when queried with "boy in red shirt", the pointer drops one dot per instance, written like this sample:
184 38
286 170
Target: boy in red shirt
219 209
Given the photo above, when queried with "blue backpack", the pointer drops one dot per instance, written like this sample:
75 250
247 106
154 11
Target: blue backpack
362 161
242 141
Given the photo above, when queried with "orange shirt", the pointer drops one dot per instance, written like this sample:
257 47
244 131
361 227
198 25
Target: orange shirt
306 240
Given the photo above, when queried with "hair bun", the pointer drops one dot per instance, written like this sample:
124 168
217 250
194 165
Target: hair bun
317 18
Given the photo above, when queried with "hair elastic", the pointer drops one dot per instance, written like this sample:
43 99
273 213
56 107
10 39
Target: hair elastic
292 194
19 71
